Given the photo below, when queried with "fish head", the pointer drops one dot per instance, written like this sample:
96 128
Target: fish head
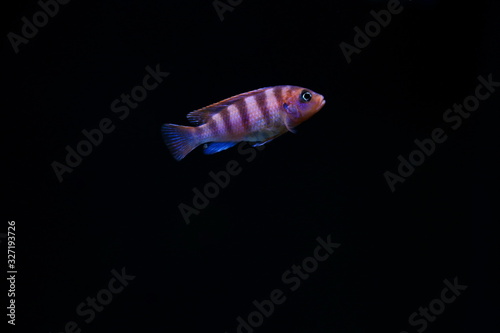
301 104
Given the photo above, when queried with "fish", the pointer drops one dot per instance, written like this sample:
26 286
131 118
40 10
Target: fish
258 117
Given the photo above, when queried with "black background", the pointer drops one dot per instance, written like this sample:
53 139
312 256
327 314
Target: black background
119 207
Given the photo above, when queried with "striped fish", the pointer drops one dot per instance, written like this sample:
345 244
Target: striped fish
256 116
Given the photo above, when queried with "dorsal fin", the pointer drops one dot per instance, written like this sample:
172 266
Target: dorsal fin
201 116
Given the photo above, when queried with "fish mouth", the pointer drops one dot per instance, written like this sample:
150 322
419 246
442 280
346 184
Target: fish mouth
323 101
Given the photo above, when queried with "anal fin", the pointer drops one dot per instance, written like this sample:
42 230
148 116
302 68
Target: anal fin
215 147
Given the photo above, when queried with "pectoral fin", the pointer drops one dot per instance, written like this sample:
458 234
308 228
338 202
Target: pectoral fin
289 126
292 113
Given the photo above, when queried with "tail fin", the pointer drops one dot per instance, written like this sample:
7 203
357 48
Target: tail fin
179 139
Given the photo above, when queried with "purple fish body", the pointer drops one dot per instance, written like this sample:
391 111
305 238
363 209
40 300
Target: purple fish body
256 116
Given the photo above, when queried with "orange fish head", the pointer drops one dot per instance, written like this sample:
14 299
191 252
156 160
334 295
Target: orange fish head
301 104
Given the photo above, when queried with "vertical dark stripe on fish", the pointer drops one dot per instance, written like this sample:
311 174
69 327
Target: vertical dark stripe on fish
226 118
212 126
241 105
198 132
278 95
262 105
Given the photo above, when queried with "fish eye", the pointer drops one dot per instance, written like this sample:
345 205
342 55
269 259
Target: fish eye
305 96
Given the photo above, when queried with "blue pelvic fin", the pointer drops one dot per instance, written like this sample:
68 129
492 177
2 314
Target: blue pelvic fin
215 147
261 143
269 139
